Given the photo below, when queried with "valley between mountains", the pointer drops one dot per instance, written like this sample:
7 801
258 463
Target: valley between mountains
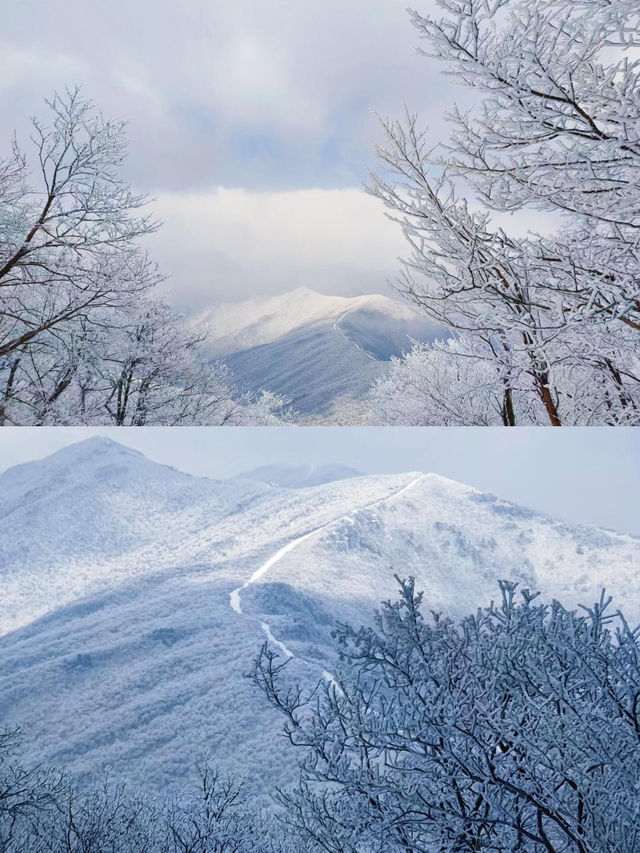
135 597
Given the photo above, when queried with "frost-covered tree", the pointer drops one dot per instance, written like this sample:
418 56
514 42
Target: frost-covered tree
68 233
460 382
446 384
556 130
103 819
26 793
140 367
516 729
211 817
84 336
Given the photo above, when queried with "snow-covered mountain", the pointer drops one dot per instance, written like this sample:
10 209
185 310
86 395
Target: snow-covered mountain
135 597
242 325
69 522
310 347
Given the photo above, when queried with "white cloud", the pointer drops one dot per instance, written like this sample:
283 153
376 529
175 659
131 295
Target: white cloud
265 96
232 243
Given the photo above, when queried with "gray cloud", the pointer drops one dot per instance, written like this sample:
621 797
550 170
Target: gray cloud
253 94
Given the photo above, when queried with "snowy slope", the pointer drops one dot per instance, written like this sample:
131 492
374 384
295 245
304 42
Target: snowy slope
97 514
69 521
134 656
112 494
242 325
457 542
312 348
312 368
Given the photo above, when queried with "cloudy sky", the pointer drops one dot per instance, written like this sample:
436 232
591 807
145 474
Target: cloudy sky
588 475
250 122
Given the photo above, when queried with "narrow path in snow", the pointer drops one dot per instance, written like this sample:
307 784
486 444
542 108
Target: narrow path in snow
234 597
336 327
267 629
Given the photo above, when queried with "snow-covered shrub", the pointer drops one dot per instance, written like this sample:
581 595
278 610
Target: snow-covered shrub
516 729
43 811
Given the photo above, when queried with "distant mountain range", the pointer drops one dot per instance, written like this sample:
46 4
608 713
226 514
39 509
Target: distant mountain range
134 597
299 476
312 348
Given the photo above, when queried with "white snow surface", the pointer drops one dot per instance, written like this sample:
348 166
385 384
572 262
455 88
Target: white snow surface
234 597
120 646
236 326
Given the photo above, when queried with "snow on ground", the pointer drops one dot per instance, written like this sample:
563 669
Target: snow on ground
259 574
457 542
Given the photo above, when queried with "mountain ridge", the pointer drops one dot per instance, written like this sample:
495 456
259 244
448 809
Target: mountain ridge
236 326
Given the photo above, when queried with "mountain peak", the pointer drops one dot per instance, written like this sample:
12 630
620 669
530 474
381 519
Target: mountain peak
79 454
96 445
235 326
447 482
